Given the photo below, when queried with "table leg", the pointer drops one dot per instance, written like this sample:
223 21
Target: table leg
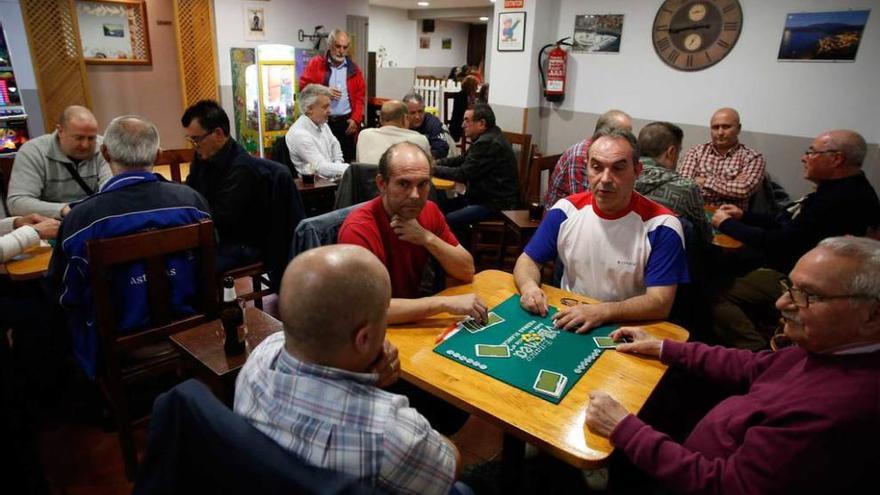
512 452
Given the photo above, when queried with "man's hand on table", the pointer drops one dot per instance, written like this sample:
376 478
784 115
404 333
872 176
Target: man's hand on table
581 318
724 212
639 342
534 300
468 305
604 413
410 230
387 365
46 227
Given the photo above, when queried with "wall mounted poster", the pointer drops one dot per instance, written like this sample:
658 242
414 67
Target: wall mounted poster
511 31
597 33
254 21
823 36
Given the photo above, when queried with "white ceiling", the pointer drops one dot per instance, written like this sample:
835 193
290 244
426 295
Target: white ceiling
434 4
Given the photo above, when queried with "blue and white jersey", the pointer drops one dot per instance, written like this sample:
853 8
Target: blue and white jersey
611 257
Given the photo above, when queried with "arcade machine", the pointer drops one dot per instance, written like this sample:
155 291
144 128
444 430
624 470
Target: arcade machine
13 119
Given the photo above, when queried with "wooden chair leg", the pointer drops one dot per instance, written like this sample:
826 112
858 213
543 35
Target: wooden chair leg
125 429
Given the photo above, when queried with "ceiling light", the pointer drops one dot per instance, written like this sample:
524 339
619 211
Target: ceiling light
422 4
484 18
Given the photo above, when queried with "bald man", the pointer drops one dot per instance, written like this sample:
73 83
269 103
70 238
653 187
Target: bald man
570 174
56 169
726 170
315 388
844 203
394 129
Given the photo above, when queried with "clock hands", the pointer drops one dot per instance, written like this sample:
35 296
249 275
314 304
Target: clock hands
688 28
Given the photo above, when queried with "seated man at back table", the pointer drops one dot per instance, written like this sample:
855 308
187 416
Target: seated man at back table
426 125
726 170
134 200
488 169
404 229
372 143
795 418
46 168
315 388
615 245
570 174
844 203
313 147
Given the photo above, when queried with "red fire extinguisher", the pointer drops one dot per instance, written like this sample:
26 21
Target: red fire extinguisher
557 58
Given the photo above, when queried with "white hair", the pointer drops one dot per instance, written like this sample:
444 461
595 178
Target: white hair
310 94
865 281
132 141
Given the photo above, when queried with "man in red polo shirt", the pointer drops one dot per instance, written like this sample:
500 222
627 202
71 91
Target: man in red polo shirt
403 229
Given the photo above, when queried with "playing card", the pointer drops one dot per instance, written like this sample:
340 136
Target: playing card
486 350
605 342
550 383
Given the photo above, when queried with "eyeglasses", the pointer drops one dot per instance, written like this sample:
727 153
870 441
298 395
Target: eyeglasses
802 298
197 140
810 152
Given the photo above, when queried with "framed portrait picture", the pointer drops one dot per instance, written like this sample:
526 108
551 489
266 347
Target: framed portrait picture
114 32
511 31
254 21
822 36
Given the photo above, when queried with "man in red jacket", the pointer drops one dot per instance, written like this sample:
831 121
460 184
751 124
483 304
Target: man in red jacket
346 81
799 420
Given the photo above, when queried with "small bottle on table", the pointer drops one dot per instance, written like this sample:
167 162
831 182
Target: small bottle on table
232 317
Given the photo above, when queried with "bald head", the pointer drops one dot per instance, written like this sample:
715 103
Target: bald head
725 127
393 113
77 132
131 142
327 296
614 119
78 113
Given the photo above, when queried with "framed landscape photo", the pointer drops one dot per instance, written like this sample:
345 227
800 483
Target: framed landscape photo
511 31
822 36
597 33
113 32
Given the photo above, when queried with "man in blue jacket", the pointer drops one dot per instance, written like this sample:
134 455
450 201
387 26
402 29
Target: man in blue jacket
426 124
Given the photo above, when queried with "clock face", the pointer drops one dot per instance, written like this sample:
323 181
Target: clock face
692 35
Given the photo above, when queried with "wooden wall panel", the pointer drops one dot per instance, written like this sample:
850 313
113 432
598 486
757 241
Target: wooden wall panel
194 24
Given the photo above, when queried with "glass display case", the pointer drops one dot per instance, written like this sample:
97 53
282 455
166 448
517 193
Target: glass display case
13 119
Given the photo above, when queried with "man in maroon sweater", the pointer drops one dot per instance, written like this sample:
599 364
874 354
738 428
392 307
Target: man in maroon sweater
805 419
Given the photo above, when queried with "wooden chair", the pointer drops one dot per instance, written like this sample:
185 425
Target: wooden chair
175 160
487 237
117 369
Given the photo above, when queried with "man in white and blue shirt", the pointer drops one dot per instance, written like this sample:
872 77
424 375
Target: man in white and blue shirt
315 387
615 245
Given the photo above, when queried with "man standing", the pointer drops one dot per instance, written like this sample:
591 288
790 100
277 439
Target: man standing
315 388
54 170
346 82
615 245
253 201
795 416
726 170
660 144
403 229
570 174
488 169
372 143
844 204
133 200
426 125
310 140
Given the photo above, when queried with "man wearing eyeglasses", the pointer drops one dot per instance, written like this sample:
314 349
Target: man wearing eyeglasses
844 203
345 79
799 420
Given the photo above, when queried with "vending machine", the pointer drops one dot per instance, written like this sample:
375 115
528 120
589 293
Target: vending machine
13 119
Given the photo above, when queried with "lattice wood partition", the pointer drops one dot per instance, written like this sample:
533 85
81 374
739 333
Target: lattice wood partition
56 56
195 50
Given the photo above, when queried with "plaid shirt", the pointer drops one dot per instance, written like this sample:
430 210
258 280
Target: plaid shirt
730 178
570 174
340 420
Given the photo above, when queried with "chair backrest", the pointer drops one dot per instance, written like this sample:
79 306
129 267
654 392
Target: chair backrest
539 165
522 149
358 184
281 154
175 160
320 230
152 248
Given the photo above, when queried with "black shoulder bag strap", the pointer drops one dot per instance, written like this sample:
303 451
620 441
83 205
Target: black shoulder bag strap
79 180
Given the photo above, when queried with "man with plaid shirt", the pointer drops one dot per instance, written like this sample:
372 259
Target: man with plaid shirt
570 174
315 388
727 171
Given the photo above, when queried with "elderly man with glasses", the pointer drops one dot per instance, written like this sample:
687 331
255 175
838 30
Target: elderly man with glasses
844 203
799 420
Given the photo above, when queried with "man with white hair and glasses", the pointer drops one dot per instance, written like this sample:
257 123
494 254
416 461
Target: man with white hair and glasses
799 420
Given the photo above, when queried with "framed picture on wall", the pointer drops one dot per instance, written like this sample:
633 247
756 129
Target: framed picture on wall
597 33
114 32
254 21
822 36
511 31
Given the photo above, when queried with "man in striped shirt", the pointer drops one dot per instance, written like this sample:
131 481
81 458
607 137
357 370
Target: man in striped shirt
316 387
727 171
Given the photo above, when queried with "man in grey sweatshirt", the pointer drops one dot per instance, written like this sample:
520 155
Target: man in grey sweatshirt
42 178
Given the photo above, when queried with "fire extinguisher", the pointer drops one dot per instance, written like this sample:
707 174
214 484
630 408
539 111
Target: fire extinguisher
557 58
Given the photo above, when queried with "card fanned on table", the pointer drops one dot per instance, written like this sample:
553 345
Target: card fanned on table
538 359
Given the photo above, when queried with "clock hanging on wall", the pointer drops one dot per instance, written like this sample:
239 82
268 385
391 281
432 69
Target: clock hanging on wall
693 35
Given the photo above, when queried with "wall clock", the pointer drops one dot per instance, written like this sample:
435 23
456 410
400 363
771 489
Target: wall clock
693 35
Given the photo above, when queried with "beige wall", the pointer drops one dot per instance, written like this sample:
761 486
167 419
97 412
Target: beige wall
152 91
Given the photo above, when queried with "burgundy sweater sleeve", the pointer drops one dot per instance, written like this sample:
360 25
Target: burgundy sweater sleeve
735 368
